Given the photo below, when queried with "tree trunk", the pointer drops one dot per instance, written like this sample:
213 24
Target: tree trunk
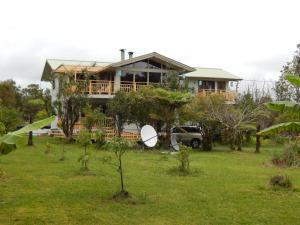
168 135
30 139
257 149
121 174
239 141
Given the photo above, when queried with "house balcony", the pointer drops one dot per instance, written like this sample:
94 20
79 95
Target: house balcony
230 96
104 87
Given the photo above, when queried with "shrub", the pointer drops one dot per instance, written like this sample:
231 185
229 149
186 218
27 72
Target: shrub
183 157
280 181
290 156
99 138
84 139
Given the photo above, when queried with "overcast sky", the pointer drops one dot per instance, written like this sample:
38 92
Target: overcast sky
252 39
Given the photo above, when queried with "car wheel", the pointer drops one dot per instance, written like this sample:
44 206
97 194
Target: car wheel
195 143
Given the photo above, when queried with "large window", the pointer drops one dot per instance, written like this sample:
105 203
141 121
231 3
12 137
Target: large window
141 77
206 85
141 64
154 77
154 65
127 77
221 85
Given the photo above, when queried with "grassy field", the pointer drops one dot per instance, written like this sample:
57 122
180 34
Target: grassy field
225 188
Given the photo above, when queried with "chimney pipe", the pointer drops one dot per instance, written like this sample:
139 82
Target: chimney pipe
130 54
122 54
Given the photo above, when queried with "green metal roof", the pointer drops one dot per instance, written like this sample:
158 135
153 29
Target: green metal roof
213 73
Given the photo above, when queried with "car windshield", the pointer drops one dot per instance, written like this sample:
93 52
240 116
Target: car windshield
186 129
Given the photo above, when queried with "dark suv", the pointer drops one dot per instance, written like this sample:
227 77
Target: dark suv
189 135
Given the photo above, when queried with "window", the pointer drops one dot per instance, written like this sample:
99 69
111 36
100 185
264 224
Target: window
206 85
127 77
154 65
141 77
154 77
141 64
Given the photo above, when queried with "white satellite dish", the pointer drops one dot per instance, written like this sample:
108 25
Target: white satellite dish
149 136
174 143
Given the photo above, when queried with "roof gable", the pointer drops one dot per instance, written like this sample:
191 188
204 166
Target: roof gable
154 55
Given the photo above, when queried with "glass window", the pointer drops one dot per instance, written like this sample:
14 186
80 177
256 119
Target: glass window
221 85
127 77
141 64
154 65
140 77
207 85
154 77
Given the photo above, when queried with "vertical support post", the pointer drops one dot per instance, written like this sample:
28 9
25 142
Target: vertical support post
90 88
148 78
117 83
109 87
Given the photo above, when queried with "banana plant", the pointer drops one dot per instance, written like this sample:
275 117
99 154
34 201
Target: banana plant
8 142
285 107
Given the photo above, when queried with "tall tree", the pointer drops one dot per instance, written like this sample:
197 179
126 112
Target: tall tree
199 112
284 90
165 106
9 94
118 107
31 107
69 105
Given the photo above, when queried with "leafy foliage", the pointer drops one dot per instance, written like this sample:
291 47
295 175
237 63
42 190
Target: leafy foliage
99 138
71 102
84 139
183 156
8 141
287 89
10 117
118 107
279 181
199 112
92 117
2 129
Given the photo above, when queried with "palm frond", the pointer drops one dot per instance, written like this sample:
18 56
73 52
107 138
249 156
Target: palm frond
281 127
8 141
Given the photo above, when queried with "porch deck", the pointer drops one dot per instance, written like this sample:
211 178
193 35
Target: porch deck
230 96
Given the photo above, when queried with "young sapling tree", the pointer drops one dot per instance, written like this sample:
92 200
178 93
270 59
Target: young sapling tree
84 139
118 145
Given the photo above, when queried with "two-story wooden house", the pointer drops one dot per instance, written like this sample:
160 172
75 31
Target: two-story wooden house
106 78
132 73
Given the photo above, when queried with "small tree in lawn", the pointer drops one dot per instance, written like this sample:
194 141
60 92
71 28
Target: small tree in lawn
118 145
84 139
183 156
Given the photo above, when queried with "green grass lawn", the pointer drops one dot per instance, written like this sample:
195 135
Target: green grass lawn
225 188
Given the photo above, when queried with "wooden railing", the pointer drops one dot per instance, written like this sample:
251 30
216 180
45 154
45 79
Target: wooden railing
108 126
104 87
227 94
